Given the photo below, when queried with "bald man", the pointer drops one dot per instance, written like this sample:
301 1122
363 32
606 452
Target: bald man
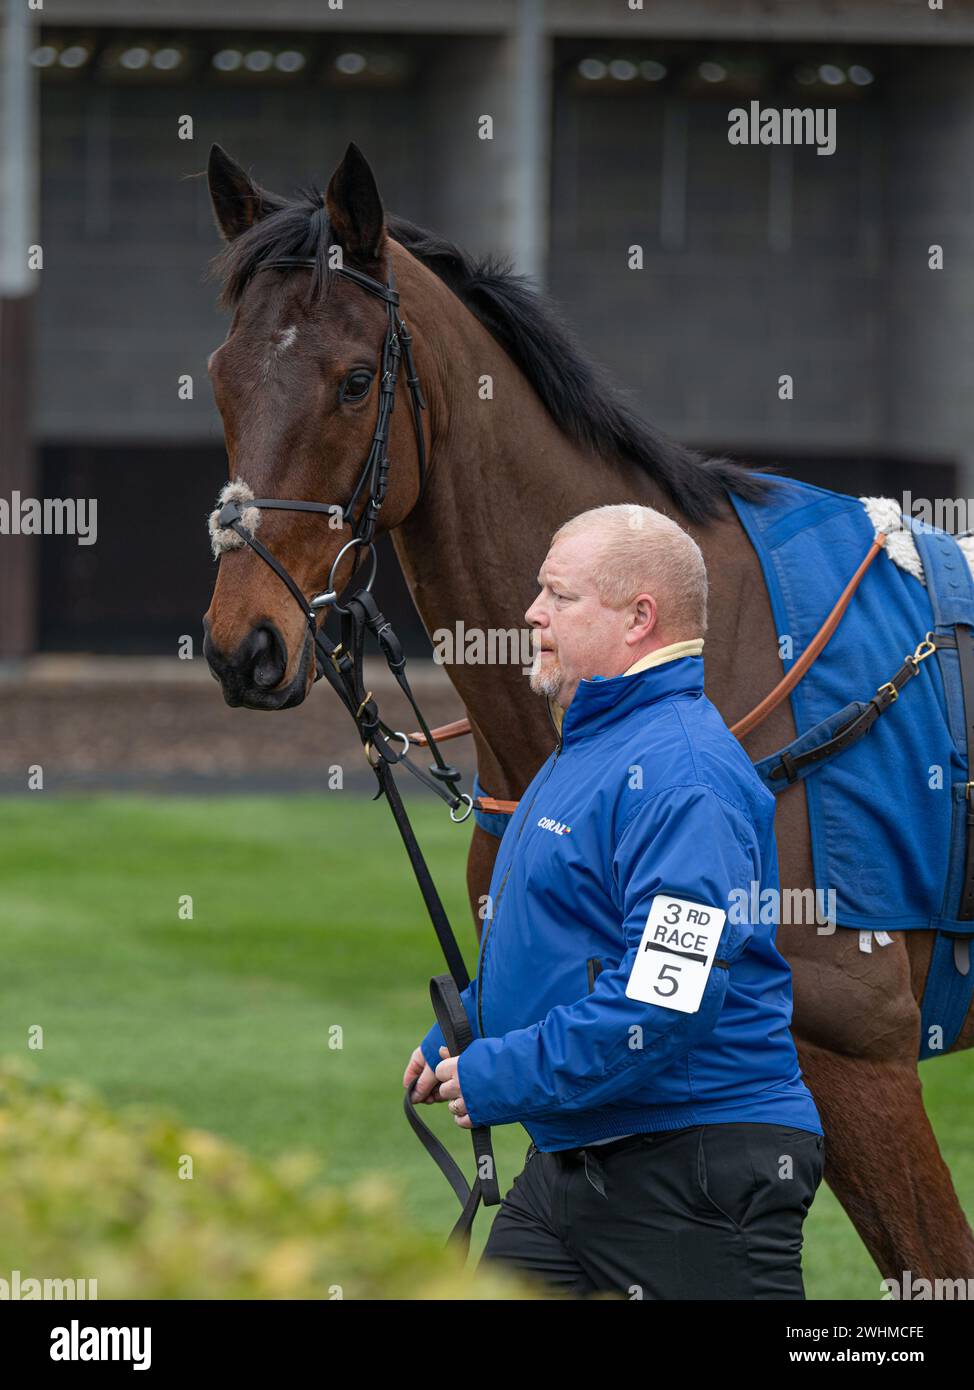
630 1008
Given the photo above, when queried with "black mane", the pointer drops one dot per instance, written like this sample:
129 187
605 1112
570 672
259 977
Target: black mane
579 395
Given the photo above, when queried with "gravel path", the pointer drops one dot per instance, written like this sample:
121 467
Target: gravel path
148 724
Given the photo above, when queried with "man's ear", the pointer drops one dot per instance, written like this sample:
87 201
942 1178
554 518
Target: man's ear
645 613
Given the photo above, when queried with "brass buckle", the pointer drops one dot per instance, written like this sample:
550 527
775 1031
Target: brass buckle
888 685
358 712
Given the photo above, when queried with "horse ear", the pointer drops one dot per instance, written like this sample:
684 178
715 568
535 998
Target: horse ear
238 202
355 208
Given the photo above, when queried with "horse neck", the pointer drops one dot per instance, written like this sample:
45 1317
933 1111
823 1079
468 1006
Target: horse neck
502 478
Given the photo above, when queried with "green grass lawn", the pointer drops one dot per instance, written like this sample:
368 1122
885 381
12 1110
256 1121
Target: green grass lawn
306 920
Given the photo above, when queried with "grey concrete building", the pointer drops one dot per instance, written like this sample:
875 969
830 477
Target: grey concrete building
698 271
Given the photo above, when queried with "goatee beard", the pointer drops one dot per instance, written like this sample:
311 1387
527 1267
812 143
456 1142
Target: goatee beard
546 680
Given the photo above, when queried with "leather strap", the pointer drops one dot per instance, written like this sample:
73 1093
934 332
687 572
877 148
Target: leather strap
951 593
268 559
457 1034
760 711
342 665
785 686
790 766
950 978
495 806
965 654
444 732
367 282
961 640
398 334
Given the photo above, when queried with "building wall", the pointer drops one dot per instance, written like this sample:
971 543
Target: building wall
766 260
758 261
928 318
904 21
128 233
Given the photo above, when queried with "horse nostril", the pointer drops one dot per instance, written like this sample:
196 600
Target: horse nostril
268 658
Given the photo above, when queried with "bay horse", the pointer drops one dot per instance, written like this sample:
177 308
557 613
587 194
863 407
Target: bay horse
523 431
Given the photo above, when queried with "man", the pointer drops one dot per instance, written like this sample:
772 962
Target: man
628 1010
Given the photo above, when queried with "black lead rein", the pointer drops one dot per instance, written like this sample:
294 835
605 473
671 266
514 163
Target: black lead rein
342 663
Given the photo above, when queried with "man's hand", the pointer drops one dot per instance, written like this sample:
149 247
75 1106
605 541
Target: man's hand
419 1078
449 1088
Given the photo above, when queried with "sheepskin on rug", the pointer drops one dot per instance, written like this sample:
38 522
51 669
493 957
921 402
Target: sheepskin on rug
886 515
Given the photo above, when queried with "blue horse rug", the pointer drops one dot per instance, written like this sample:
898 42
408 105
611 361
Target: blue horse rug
888 816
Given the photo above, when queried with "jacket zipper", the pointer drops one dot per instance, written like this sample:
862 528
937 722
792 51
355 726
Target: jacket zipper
500 891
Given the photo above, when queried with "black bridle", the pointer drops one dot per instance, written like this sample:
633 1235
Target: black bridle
342 665
374 477
398 343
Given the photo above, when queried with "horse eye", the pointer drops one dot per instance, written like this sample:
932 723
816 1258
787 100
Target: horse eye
356 386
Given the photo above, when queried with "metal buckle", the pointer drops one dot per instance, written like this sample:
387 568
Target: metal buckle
888 685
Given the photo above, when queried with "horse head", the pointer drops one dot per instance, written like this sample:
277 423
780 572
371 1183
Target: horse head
303 381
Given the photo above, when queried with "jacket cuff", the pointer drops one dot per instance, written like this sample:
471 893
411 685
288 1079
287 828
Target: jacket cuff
473 1072
431 1044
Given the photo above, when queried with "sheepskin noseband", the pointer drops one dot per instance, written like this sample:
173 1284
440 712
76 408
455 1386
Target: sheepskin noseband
224 538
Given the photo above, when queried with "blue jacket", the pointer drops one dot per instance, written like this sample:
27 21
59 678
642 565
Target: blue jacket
647 795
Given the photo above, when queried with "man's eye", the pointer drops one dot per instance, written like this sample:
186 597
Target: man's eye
356 386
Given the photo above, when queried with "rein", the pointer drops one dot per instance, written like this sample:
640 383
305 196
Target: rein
744 726
342 665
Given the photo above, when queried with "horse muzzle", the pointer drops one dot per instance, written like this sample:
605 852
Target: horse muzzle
253 676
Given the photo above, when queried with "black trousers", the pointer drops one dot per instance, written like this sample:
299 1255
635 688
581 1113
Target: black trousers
710 1212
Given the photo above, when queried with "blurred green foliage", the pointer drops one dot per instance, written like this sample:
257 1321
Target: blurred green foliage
89 1193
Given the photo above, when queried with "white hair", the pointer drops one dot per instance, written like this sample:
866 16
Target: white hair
225 537
640 550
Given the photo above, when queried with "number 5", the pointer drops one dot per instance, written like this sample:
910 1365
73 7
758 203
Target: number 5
667 993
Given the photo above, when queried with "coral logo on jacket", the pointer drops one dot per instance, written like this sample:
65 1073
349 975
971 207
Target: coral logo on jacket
556 827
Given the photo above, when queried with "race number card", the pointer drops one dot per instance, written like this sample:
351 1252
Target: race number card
675 954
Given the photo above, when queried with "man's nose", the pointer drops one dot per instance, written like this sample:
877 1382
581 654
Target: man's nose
535 613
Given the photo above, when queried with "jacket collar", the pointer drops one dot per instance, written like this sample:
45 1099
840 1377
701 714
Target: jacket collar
602 700
693 646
